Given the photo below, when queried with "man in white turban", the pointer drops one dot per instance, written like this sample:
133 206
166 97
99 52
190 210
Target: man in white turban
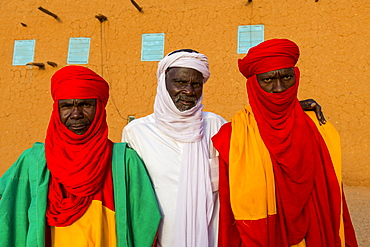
174 143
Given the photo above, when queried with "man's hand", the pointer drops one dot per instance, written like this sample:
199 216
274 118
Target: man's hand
312 105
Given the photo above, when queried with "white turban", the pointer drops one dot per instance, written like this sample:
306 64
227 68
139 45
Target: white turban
183 126
183 59
194 201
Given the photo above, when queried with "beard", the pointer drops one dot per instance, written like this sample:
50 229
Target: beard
181 107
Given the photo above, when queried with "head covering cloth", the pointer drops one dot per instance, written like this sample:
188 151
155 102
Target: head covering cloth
306 184
184 126
266 57
194 203
77 163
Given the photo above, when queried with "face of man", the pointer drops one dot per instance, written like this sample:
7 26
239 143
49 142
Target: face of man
77 114
185 87
277 81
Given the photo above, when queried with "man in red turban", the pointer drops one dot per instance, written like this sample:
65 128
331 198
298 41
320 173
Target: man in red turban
280 170
91 191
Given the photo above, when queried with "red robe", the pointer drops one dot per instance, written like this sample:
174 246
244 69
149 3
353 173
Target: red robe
262 232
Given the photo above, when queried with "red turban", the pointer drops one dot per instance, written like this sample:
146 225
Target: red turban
270 55
307 190
77 82
77 162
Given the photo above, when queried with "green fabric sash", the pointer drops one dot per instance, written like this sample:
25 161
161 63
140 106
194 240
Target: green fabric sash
23 199
23 193
137 213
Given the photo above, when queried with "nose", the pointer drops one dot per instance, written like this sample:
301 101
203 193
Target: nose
278 86
76 113
189 89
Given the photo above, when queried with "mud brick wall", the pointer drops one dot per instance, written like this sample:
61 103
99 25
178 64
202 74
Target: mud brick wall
333 37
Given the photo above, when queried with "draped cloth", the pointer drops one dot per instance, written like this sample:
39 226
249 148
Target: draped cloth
77 163
307 191
268 56
194 202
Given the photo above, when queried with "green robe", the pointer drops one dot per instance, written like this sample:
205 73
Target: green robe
23 199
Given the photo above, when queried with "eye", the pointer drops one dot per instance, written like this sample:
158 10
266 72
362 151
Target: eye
287 77
65 105
181 82
267 80
197 84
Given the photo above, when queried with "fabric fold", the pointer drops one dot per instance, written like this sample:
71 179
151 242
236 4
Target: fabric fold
194 206
77 162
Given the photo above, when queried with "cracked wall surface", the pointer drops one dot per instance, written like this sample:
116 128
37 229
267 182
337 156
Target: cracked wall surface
332 35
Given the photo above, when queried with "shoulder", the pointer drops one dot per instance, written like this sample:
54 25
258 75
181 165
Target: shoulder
38 147
140 122
327 127
212 123
212 117
35 152
221 141
223 135
139 129
125 159
124 149
31 157
327 131
130 152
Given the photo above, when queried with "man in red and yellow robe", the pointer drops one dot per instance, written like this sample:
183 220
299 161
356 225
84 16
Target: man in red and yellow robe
280 170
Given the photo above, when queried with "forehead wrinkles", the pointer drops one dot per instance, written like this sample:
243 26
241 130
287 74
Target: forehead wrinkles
77 100
278 71
186 73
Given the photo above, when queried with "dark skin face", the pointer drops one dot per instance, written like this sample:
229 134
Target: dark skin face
276 81
185 87
77 114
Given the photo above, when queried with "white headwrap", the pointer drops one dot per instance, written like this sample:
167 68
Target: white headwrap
194 202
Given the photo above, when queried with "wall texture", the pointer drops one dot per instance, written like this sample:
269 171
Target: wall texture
333 37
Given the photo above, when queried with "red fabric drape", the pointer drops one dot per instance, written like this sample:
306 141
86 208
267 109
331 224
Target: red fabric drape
269 55
263 232
308 193
307 190
228 235
77 163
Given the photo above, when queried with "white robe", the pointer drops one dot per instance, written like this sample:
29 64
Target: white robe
162 157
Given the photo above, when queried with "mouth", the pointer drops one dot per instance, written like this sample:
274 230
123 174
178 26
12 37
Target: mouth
183 102
77 127
187 102
184 105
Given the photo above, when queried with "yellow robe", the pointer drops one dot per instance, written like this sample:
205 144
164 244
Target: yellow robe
247 146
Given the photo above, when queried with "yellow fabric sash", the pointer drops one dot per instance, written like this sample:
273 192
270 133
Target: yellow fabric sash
252 184
97 227
251 176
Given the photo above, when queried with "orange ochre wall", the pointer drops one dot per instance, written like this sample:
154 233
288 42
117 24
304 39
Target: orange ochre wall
333 37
